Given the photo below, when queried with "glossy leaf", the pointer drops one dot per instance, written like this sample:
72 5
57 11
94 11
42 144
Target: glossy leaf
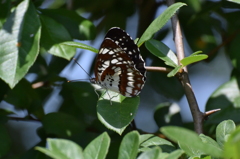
195 57
19 43
192 145
129 146
159 22
156 141
151 154
98 148
116 114
80 45
62 149
224 129
163 52
53 34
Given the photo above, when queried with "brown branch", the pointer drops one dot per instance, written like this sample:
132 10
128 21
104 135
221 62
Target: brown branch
158 69
183 76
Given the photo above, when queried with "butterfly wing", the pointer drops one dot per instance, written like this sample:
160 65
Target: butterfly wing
115 69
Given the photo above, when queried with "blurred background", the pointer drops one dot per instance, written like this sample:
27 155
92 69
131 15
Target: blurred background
210 26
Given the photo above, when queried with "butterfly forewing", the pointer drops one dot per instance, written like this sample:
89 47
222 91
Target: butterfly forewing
123 40
119 66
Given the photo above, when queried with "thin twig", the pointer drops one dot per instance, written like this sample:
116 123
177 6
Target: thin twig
210 112
196 113
158 69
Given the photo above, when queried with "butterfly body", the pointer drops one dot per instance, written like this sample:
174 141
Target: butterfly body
119 65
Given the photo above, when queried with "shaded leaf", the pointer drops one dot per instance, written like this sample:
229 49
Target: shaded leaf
53 34
77 26
5 143
167 114
118 113
58 124
163 52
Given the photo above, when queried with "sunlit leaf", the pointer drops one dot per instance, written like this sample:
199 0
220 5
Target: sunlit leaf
159 22
19 43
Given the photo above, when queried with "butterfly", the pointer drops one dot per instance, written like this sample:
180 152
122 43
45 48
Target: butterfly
119 66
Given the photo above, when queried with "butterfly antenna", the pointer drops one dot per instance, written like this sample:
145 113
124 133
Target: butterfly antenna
81 67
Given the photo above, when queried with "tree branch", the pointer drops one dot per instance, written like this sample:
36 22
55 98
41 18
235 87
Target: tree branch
158 69
183 76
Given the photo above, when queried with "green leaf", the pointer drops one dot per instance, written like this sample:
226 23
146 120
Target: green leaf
235 1
209 140
167 114
165 145
77 26
80 45
129 146
151 154
163 52
226 97
62 149
159 22
174 71
195 57
175 154
98 148
58 124
53 34
23 96
118 113
5 143
145 137
192 145
19 43
223 130
232 145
